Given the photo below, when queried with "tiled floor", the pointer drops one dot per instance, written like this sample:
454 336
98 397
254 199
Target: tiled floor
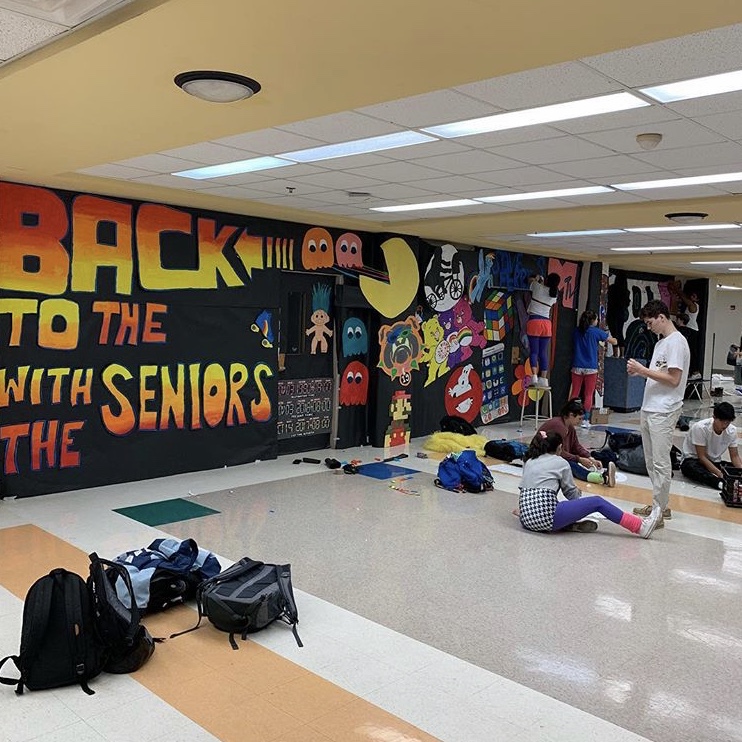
424 616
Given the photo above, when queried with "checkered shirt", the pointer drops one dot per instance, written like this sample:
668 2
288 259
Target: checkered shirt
537 506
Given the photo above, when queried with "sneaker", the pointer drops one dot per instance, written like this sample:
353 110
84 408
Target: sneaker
542 382
647 510
609 475
585 424
650 523
583 526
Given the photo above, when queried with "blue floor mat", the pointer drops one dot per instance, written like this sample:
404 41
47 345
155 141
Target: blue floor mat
382 470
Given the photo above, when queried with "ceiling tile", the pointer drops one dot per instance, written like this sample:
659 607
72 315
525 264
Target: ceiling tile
398 172
278 186
269 141
560 149
607 167
521 176
728 155
495 139
340 127
20 33
352 162
726 124
706 106
673 59
439 107
115 171
554 84
159 163
234 192
342 180
209 153
284 173
673 194
397 191
473 161
606 199
288 202
678 133
173 181
428 149
452 185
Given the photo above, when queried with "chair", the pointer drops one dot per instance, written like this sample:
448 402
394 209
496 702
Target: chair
536 394
694 388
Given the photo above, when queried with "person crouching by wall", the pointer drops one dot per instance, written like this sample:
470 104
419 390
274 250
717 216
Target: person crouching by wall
545 473
706 442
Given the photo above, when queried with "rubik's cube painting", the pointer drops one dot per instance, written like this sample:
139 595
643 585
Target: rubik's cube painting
498 315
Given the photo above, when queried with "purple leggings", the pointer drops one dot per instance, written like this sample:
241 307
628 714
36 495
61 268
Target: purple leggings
570 511
539 353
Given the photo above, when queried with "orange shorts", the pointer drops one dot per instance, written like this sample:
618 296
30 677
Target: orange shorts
538 328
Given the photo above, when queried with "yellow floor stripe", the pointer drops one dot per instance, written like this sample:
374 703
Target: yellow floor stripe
252 695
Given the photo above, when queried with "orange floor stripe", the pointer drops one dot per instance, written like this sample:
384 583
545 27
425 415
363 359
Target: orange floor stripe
252 695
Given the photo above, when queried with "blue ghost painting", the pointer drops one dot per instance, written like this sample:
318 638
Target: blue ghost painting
355 338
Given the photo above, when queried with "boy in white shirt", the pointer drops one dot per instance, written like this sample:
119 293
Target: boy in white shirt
707 441
666 375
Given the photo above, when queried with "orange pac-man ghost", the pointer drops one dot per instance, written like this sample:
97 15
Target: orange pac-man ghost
354 384
348 251
316 250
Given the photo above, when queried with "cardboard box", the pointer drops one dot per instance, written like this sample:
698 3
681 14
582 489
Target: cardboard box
600 416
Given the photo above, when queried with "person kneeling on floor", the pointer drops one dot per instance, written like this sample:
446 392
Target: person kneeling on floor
705 444
583 465
545 473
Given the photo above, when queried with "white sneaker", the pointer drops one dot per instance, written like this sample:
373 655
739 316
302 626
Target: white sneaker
585 424
542 382
650 522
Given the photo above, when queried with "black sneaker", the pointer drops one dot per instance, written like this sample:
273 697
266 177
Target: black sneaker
583 526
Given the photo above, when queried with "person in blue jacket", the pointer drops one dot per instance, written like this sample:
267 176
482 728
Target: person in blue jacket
586 339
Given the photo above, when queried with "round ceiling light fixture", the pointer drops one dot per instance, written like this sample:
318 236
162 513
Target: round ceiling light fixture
649 140
686 217
217 87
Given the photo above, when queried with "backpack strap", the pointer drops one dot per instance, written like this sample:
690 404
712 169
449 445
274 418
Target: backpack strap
97 564
283 576
73 609
10 681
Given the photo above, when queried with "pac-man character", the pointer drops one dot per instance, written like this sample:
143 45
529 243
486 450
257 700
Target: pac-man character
354 384
263 325
401 346
355 339
316 250
348 251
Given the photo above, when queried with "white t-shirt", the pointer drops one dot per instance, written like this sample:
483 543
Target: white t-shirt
702 434
541 301
670 352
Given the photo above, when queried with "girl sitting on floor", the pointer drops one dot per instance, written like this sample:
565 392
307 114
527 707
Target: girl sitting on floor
545 472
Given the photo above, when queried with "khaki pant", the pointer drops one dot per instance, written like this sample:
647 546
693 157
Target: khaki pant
657 430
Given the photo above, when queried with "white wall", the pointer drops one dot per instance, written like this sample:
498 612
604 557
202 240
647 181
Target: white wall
725 320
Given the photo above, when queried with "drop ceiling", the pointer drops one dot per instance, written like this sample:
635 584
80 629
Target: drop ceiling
96 110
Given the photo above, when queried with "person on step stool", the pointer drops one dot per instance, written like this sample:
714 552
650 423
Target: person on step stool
544 294
581 462
706 442
545 473
667 376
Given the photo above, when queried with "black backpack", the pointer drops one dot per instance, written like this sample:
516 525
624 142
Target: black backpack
128 644
247 597
454 424
60 644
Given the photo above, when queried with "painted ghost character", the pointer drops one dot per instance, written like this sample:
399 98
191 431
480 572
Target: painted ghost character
348 251
355 338
316 250
354 384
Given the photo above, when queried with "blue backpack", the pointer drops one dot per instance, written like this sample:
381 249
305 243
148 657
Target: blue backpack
464 472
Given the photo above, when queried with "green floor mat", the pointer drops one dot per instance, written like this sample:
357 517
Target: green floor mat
165 511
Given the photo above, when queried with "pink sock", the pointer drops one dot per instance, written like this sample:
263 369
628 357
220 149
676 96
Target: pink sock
631 522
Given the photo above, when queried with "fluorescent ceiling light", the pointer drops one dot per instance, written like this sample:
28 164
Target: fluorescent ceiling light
540 115
659 248
358 147
233 168
430 205
722 287
683 228
581 233
735 269
716 262
678 182
545 194
720 247
699 87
